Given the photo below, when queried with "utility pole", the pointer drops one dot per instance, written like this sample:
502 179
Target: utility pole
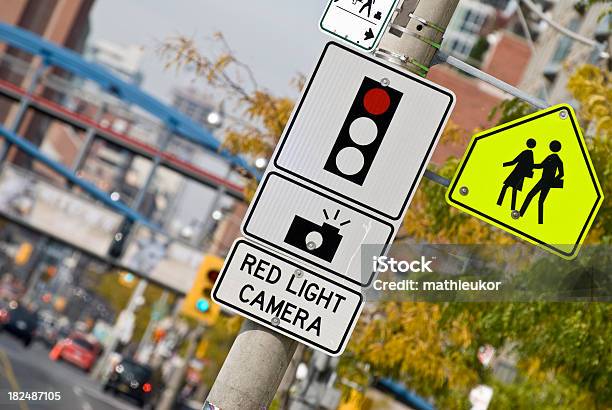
155 317
135 299
31 267
259 357
415 34
253 369
138 293
171 391
289 377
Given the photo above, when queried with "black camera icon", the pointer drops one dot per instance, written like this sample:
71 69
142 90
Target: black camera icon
321 241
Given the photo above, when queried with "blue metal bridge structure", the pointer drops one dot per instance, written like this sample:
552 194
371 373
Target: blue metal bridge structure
174 122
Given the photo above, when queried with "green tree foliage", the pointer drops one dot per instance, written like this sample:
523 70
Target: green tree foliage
564 358
118 295
479 49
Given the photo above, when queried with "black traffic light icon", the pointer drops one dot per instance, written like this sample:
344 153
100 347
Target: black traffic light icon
363 131
117 246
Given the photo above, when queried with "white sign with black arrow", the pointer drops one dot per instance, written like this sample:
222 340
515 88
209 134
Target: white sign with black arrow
359 22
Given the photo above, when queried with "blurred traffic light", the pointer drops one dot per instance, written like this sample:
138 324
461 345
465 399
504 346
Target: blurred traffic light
127 279
22 256
202 349
198 302
117 246
60 303
49 273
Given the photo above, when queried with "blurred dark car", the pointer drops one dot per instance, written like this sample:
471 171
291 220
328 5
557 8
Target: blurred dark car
63 332
20 321
136 381
47 330
50 330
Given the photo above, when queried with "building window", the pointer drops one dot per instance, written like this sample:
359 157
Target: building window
565 43
472 22
604 27
459 47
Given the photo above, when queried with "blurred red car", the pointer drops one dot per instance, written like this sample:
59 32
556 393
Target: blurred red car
78 349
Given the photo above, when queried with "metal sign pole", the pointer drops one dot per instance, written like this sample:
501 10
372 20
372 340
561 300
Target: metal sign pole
252 370
168 397
102 365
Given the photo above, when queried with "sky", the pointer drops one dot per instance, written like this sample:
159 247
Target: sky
276 38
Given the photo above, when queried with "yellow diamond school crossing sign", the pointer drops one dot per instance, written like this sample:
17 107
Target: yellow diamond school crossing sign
531 177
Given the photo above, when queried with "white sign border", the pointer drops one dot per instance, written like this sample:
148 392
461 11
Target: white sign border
424 162
244 227
279 328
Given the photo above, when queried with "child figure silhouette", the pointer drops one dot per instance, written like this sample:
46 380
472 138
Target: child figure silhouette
523 169
552 177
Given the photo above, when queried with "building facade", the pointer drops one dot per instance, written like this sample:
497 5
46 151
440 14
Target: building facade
65 22
470 22
124 60
557 55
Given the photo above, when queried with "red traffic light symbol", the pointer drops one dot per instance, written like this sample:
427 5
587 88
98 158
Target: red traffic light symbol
376 101
213 275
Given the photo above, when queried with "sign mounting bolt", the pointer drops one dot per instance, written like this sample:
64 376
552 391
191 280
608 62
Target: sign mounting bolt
311 245
515 214
563 114
385 82
298 273
275 321
464 190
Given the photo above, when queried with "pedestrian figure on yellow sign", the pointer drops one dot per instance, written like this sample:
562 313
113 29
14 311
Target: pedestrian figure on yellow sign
523 169
552 177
